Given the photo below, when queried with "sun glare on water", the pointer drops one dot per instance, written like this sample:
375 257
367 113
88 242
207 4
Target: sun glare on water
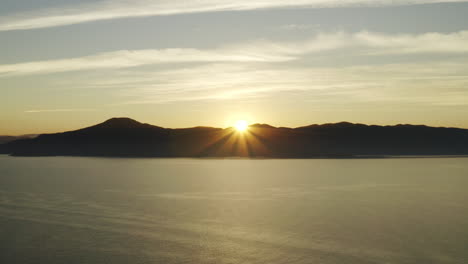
241 125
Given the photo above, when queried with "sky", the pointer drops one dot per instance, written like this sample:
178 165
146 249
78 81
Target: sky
67 64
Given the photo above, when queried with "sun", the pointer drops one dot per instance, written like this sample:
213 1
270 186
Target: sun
241 125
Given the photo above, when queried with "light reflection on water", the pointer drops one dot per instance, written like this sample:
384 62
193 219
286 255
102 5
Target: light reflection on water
96 210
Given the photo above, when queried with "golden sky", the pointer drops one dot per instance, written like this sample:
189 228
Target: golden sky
67 65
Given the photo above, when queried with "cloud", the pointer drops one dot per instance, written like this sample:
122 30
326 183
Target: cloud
407 43
362 43
105 10
133 58
368 43
57 110
300 27
435 83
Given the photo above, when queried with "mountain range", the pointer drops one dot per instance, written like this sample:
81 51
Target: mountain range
125 137
6 139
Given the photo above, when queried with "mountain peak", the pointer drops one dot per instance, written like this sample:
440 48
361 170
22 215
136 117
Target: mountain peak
120 122
117 124
259 125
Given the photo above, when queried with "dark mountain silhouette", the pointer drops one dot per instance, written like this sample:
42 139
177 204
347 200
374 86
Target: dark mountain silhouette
124 137
6 139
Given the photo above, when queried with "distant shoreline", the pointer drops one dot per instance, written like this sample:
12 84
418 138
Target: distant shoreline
250 158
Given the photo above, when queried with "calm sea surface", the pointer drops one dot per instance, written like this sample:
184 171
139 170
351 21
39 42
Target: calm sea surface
98 210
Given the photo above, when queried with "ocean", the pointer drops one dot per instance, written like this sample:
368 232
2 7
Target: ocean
116 210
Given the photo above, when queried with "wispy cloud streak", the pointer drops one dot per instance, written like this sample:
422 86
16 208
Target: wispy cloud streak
430 83
425 84
57 110
133 58
368 43
105 10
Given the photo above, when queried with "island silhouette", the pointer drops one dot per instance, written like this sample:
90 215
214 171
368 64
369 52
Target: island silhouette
125 137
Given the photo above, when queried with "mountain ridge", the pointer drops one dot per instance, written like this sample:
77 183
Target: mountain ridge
127 137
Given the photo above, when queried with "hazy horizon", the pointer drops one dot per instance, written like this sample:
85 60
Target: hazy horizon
69 64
